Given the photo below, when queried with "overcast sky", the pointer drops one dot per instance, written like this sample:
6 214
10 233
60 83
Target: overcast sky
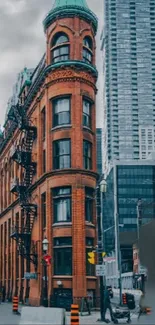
22 40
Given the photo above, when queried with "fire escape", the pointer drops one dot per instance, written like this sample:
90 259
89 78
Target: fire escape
22 155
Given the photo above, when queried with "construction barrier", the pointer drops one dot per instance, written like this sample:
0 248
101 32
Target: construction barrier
148 310
124 299
74 315
15 305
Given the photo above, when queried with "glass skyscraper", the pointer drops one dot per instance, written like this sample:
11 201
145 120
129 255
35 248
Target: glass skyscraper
128 182
128 45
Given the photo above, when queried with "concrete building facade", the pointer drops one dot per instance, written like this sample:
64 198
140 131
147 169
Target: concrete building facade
48 161
128 44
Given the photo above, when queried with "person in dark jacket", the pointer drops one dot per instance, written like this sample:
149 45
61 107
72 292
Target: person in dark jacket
107 305
3 294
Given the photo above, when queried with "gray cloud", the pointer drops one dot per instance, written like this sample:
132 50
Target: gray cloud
22 39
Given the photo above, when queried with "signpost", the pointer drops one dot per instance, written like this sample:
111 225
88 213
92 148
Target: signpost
142 269
100 270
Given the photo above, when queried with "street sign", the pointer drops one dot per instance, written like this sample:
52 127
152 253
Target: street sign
44 278
30 276
100 270
142 269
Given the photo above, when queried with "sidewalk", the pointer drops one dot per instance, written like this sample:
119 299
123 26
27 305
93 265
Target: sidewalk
87 319
6 315
8 318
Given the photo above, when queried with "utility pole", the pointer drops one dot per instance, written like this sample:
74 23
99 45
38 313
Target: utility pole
119 259
139 224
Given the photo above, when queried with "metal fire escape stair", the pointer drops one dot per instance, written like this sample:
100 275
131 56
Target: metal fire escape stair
22 154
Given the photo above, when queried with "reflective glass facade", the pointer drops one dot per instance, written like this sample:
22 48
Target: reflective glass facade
129 45
133 182
108 214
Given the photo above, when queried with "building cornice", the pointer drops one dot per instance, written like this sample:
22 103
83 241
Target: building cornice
48 175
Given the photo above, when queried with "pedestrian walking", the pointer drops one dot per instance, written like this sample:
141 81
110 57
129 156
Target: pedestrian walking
107 305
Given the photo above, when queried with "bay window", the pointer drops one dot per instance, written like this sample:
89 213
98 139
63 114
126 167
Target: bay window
87 154
62 205
61 111
63 256
86 113
62 154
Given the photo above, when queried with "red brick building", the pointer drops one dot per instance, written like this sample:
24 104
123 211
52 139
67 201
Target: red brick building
48 164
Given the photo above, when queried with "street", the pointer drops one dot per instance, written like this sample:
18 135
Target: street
8 318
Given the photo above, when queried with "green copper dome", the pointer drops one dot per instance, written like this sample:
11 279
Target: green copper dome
71 8
60 3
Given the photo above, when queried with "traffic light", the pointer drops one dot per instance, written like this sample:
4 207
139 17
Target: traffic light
91 258
47 259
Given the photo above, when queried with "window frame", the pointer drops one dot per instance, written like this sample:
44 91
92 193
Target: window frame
89 197
60 263
89 116
55 167
87 50
44 160
43 121
87 161
55 100
43 210
58 47
59 197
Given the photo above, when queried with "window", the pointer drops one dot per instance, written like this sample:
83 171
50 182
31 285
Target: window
62 206
62 154
61 111
86 113
43 209
87 154
43 120
87 50
89 204
44 161
62 256
60 48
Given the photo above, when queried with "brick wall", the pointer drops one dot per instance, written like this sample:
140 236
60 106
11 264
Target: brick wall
61 81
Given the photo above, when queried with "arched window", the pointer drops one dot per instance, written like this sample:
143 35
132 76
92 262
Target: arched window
87 49
60 48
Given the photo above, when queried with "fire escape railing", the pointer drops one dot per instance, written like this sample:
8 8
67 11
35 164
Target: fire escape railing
22 154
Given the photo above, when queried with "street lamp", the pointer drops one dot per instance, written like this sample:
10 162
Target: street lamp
45 244
100 189
120 225
103 186
103 189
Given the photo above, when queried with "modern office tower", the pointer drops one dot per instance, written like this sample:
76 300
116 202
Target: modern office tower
48 167
128 43
128 182
99 150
